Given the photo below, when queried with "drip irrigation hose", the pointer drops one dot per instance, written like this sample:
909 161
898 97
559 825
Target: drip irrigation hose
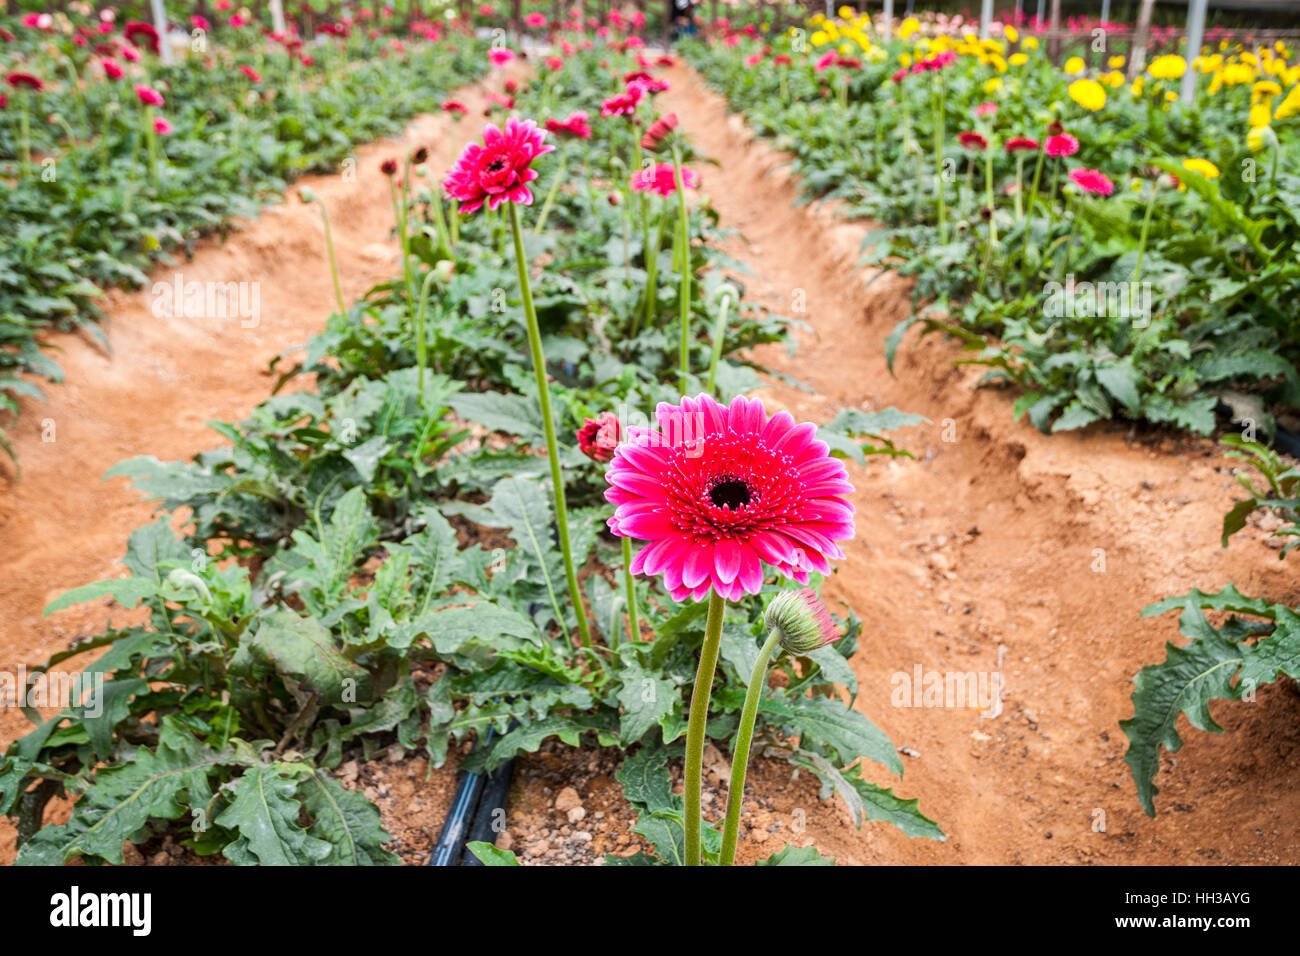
455 829
491 812
1287 441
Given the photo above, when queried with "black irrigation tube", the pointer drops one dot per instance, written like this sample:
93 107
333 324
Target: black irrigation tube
473 808
1287 441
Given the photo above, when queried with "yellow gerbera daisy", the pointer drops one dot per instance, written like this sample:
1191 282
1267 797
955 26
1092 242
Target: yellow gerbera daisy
1202 166
1088 94
1168 67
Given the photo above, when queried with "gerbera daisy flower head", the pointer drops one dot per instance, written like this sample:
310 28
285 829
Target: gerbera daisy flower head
719 491
251 73
573 127
659 131
826 62
975 142
148 95
623 104
1092 181
535 20
141 34
111 69
661 180
500 168
455 108
802 620
388 167
162 126
500 55
1020 143
1062 144
25 81
986 109
598 437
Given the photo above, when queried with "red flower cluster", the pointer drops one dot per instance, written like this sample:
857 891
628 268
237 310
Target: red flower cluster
599 436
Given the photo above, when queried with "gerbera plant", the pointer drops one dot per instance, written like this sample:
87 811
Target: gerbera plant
720 493
493 173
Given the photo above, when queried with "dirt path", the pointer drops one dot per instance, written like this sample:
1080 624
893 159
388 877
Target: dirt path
986 554
61 525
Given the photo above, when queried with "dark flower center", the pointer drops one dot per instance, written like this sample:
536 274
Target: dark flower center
730 492
496 165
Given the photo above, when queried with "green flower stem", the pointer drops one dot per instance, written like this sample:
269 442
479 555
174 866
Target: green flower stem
440 221
1029 215
399 215
548 425
629 586
550 193
24 132
719 335
151 139
939 122
988 194
334 265
699 717
684 222
1020 185
420 355
740 753
1146 226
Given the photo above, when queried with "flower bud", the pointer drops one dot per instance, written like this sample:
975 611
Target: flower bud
444 270
802 620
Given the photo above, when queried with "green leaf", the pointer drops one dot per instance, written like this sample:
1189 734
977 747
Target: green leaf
154 784
302 648
265 813
828 721
1185 682
347 822
646 698
489 855
797 856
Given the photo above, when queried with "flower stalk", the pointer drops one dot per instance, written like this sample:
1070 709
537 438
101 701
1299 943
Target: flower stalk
698 719
548 426
740 753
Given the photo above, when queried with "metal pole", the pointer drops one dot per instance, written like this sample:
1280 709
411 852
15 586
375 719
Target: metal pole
888 13
277 17
1195 35
1038 17
160 24
1105 11
986 18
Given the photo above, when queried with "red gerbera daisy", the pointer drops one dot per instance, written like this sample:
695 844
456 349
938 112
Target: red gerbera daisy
25 80
500 168
973 141
576 126
141 34
659 131
148 95
719 491
1017 143
598 437
455 107
624 104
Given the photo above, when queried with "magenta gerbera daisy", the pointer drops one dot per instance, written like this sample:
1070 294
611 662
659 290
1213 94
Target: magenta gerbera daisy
500 168
719 491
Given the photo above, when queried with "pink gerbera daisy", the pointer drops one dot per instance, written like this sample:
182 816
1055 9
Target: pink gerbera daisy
1092 181
719 491
161 126
624 104
659 179
1062 144
500 168
148 95
500 56
576 126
